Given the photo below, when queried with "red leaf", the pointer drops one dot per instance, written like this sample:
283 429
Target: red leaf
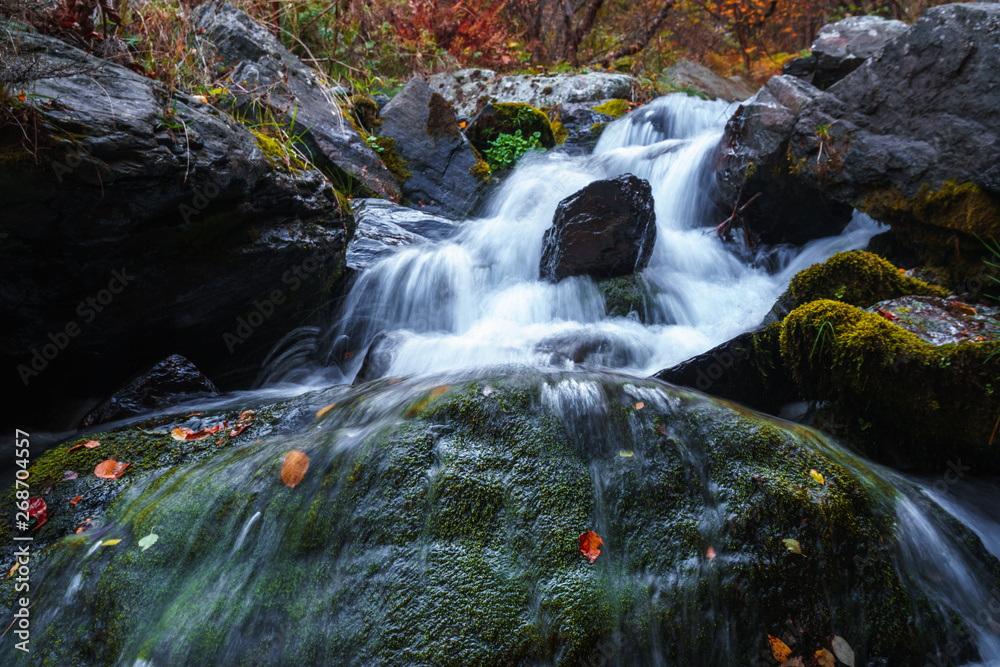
90 444
37 509
184 433
590 545
892 317
245 415
110 469
239 429
76 500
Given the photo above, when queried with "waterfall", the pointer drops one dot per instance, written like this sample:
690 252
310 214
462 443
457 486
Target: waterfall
476 300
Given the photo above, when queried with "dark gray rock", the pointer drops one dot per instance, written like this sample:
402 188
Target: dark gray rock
169 382
583 125
607 229
381 352
755 160
437 154
150 225
269 76
383 228
841 47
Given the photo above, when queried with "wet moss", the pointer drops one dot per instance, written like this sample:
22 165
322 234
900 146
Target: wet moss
954 205
481 169
283 157
385 148
857 278
900 394
365 112
500 118
614 108
624 295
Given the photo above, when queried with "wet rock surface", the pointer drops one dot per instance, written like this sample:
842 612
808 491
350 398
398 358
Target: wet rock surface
173 380
439 157
268 76
383 228
151 224
607 229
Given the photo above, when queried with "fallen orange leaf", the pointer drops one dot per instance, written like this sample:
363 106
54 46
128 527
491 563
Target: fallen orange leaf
710 554
824 658
239 429
184 433
640 405
662 430
110 469
219 441
76 500
294 468
90 444
590 545
325 410
779 649
245 415
193 414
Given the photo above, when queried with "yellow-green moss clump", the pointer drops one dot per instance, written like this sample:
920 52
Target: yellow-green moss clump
365 112
614 108
481 169
385 148
857 278
928 403
281 156
962 207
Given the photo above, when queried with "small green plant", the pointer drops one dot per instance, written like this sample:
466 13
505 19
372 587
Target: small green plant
373 143
505 151
841 291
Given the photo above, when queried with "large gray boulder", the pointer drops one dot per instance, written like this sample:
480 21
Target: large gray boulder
841 47
147 224
470 89
443 165
605 230
910 137
685 73
267 76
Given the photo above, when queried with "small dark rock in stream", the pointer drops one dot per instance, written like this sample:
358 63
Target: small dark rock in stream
383 348
607 229
171 381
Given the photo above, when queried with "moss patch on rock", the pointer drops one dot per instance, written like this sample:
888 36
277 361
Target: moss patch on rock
926 403
614 108
365 111
857 278
626 294
502 118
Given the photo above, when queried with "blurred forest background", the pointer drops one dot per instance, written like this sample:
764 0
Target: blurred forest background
375 46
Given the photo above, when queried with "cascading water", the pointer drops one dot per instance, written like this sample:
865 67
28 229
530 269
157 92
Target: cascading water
476 300
438 520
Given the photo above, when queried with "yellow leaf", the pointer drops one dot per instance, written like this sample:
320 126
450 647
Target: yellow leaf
843 651
626 453
325 410
640 405
779 649
13 570
294 468
824 658
110 543
818 477
793 546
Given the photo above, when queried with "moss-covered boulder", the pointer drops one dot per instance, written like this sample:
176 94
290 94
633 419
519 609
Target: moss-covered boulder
898 395
857 278
499 118
441 525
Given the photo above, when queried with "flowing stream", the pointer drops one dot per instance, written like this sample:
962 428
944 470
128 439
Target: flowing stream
460 309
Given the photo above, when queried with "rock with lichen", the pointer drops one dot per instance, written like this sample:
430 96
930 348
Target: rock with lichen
445 171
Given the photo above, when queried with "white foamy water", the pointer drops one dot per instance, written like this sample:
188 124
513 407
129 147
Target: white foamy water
476 300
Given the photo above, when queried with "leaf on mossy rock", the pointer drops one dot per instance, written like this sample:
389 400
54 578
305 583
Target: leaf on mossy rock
148 541
76 500
843 651
110 469
37 509
323 411
590 545
90 444
640 405
710 554
294 468
184 433
793 546
824 658
817 477
779 649
110 543
68 475
239 429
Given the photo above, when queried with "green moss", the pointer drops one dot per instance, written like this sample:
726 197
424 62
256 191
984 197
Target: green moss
625 294
930 402
385 148
858 278
365 112
614 108
500 118
281 156
481 169
962 207
560 132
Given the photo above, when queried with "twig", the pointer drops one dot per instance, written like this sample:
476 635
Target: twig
722 230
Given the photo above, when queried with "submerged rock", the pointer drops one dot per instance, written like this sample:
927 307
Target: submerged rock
460 506
445 177
607 229
383 228
171 381
269 77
